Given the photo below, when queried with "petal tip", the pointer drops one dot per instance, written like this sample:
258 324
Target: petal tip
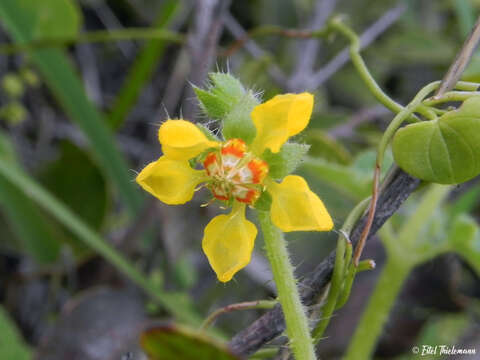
224 278
229 254
172 182
182 140
296 208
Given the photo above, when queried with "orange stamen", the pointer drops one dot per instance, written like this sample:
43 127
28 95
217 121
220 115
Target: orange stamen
259 169
209 160
250 197
235 147
220 197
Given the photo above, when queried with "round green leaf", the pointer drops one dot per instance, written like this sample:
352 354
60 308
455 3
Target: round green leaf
445 150
76 180
179 343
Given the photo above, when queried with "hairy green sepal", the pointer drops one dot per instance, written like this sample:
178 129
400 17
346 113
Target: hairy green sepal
264 202
208 133
286 160
227 100
220 96
238 123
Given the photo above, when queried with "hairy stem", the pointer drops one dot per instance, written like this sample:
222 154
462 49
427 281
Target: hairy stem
295 318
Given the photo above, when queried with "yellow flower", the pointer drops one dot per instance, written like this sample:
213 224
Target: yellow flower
236 174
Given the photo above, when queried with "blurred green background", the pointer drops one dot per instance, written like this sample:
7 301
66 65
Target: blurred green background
84 87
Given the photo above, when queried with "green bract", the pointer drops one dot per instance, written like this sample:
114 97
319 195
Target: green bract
445 150
228 101
286 160
238 123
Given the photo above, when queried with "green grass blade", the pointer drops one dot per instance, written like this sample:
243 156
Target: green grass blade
35 232
143 67
64 215
12 345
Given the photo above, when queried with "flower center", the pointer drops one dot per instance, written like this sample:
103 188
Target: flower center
235 173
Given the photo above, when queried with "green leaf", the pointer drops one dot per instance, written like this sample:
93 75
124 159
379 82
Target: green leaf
286 160
49 18
445 150
82 186
36 233
12 345
179 343
68 90
55 18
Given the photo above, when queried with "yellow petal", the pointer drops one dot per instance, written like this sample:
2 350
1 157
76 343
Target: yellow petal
228 242
171 181
296 208
279 118
182 140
